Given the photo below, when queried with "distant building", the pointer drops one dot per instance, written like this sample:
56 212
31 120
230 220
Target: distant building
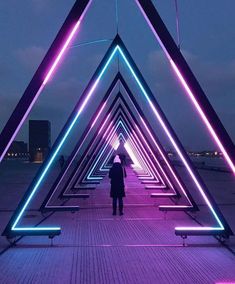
39 139
17 150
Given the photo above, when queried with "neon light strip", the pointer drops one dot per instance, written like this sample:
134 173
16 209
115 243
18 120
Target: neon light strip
140 153
48 76
158 176
199 228
63 139
49 206
164 158
67 42
171 139
114 142
140 143
191 95
117 48
162 154
98 115
115 146
132 155
153 168
105 167
119 136
152 164
89 176
154 157
108 141
38 229
203 116
161 194
174 206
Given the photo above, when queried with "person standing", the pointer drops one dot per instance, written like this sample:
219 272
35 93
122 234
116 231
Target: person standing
117 192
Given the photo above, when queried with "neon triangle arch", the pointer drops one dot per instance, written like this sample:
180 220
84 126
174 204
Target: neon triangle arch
152 170
146 161
112 137
183 72
93 121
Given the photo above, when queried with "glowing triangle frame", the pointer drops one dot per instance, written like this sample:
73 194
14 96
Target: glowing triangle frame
183 72
118 46
117 78
94 164
154 172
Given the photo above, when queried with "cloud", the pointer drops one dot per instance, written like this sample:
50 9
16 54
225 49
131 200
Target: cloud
216 78
40 5
30 57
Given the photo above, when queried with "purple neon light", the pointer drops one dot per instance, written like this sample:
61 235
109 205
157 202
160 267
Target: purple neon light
52 68
203 116
128 135
154 156
147 154
110 135
150 162
132 155
152 165
94 122
162 155
166 130
165 160
98 115
191 96
145 162
147 166
62 51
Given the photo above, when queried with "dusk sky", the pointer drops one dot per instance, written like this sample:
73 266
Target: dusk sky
27 28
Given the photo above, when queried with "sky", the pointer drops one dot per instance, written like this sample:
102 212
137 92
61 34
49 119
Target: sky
207 37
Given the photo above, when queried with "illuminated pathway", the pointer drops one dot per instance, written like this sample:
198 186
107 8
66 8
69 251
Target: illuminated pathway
95 247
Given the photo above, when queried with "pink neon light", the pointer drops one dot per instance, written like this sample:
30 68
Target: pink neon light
203 116
153 166
154 158
98 115
67 42
164 158
134 147
162 194
138 149
188 90
171 138
132 155
104 123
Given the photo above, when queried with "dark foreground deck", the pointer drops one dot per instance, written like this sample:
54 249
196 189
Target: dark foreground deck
96 247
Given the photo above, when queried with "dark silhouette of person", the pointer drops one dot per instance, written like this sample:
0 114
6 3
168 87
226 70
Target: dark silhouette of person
117 192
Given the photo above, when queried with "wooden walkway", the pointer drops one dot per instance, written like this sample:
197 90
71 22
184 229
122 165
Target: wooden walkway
96 247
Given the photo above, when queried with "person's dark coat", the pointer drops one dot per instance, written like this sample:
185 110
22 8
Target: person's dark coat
117 181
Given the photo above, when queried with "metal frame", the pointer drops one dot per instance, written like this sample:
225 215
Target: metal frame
184 74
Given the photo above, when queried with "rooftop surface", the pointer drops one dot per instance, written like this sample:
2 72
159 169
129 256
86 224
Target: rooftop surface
96 247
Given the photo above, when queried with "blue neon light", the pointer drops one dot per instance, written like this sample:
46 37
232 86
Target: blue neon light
116 49
63 140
